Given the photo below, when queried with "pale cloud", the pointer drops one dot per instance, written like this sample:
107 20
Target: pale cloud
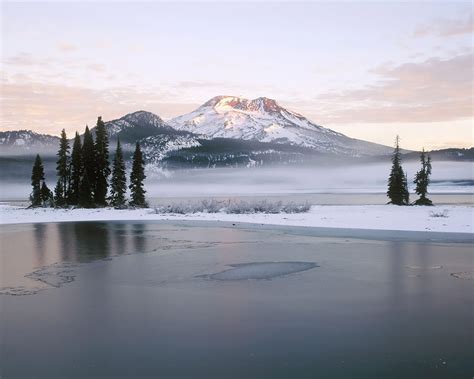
26 60
103 44
431 91
48 108
97 67
447 28
66 47
199 84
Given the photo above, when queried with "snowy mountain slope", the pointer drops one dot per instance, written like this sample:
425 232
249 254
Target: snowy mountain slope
135 126
19 142
155 148
262 119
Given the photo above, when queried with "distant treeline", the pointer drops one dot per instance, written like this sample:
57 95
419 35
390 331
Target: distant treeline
83 174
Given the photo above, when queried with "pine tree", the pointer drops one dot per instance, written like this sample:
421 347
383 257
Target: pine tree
119 179
86 197
37 177
62 171
88 166
397 183
102 171
136 179
46 195
76 171
422 179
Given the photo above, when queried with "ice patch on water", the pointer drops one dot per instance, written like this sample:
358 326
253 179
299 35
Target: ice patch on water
469 275
261 270
55 275
424 267
19 291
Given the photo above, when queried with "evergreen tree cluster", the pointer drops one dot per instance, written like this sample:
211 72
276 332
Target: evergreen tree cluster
398 180
83 174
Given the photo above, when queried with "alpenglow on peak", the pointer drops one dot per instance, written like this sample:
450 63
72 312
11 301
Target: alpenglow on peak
228 103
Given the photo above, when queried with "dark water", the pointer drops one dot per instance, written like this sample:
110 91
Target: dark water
132 300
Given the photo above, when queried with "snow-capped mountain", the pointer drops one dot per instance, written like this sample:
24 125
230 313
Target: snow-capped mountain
264 120
19 142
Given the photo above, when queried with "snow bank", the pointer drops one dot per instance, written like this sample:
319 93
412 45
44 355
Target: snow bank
456 218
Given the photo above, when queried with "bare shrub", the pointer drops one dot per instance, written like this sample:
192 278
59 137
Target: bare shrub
444 213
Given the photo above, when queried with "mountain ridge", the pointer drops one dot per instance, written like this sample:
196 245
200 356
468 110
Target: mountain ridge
260 128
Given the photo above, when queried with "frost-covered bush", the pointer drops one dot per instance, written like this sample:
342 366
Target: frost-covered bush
234 207
211 206
245 207
264 206
296 208
175 208
444 214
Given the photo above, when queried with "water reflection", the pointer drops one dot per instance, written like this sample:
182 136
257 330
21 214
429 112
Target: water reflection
139 238
40 238
87 241
397 269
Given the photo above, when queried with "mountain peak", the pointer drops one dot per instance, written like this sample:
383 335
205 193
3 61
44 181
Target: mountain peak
228 103
142 116
136 125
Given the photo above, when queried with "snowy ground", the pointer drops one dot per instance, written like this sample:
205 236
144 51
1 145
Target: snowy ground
452 218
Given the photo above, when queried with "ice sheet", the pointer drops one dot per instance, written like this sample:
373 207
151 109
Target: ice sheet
261 270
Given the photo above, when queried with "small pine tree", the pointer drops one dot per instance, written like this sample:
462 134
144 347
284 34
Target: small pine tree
397 184
46 195
102 169
76 171
422 179
37 177
86 198
89 164
119 179
137 177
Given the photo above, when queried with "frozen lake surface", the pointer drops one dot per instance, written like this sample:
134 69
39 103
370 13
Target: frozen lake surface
184 299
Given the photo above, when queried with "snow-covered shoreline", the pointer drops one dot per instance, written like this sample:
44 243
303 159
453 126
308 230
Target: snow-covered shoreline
447 219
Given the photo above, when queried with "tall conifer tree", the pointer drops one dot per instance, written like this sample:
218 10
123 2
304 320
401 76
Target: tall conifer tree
119 179
62 171
397 184
37 177
76 170
422 179
89 164
102 169
137 177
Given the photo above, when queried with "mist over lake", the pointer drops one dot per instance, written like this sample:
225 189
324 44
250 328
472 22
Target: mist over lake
447 177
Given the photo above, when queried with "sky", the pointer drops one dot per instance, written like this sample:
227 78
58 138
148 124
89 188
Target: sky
370 70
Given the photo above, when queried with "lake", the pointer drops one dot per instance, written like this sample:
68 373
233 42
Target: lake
181 299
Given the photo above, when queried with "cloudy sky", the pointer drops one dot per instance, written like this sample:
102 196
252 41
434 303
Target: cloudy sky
370 70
